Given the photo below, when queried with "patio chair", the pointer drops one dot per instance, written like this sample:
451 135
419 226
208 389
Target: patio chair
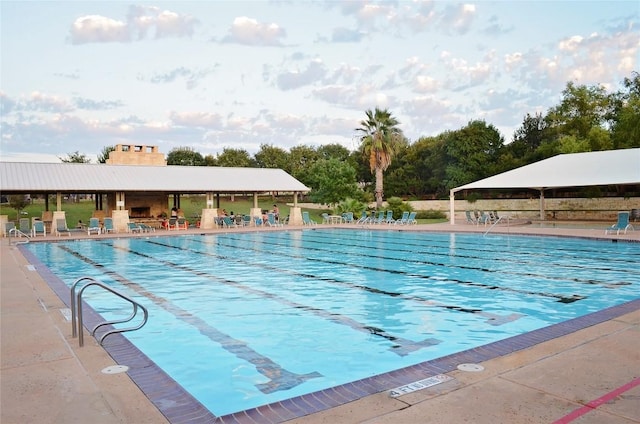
9 228
389 219
133 227
24 226
411 220
363 218
380 219
38 228
108 225
306 220
94 226
228 222
271 220
182 224
622 224
482 218
470 218
146 228
347 217
404 219
61 228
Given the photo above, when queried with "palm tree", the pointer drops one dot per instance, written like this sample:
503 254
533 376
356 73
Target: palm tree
380 141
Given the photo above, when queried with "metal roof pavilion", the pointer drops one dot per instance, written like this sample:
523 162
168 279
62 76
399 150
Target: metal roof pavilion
21 177
609 167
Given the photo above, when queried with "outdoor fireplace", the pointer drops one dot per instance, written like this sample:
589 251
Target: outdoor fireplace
140 212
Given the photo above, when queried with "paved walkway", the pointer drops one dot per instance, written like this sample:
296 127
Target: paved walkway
589 376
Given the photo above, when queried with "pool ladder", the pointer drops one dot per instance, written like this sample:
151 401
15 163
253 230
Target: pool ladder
76 311
18 235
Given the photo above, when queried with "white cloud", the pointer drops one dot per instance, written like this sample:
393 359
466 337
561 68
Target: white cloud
249 31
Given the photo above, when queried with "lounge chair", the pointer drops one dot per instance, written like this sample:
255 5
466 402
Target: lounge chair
228 222
38 228
146 228
404 219
470 219
108 225
9 229
483 218
61 227
133 227
411 220
380 219
622 224
389 219
24 226
94 226
364 217
271 220
306 220
347 217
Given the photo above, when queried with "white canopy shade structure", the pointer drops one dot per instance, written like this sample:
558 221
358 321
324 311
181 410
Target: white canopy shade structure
609 167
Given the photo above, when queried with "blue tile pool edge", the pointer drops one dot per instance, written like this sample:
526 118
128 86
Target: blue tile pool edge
179 407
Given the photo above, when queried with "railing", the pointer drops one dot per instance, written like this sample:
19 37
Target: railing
496 223
76 311
18 234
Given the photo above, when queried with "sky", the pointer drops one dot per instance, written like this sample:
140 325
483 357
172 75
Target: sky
208 75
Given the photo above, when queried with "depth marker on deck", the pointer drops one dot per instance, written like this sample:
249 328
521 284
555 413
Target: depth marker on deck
419 385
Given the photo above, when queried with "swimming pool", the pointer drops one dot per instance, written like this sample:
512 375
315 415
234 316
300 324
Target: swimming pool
242 320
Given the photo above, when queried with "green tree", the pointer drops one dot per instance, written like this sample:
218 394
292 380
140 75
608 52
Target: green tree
380 140
581 109
472 153
235 158
301 159
18 202
210 160
104 155
272 157
626 122
332 180
75 157
185 156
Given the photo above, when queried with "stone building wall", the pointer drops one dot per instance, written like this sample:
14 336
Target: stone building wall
135 154
599 209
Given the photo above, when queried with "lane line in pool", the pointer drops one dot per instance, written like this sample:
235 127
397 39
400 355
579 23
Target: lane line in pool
401 346
492 319
327 240
280 378
546 255
561 298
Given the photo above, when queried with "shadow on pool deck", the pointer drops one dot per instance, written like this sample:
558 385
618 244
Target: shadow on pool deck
46 378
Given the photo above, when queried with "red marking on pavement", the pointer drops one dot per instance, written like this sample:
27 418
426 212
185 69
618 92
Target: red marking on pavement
596 403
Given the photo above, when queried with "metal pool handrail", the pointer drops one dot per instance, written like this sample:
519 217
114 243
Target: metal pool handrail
76 311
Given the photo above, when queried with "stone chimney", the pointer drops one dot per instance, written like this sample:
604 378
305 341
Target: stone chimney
133 154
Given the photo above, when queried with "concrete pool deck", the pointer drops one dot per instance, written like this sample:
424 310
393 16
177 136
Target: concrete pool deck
588 376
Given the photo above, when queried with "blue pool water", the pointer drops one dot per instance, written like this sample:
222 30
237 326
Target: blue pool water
246 319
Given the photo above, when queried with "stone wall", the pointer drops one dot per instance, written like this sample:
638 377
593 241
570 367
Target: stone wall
134 154
600 209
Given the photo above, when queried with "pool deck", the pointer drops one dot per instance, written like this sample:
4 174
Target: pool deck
591 375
